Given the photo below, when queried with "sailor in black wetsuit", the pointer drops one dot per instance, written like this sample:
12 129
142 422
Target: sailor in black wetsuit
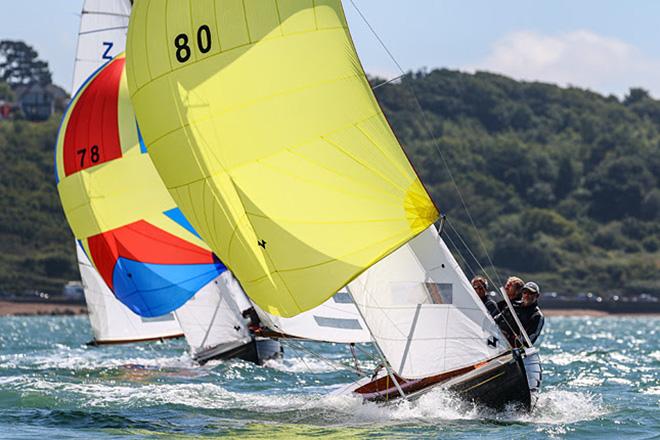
528 311
480 285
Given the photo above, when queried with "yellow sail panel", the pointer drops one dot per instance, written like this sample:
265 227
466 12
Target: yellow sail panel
266 133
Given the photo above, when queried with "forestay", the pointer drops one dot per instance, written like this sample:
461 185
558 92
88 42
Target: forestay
212 318
113 322
263 126
102 36
423 313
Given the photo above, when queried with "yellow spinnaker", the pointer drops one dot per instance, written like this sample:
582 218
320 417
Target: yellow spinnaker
262 124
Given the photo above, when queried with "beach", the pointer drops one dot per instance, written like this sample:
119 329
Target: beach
15 308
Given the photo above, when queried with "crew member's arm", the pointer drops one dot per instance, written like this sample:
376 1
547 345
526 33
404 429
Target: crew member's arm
537 325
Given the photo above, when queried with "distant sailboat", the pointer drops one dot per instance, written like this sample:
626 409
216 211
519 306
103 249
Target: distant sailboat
126 223
102 35
262 125
214 325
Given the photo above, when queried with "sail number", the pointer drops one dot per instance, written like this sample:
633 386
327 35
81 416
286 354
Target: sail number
182 43
94 155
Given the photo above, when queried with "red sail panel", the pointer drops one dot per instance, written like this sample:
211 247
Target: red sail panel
143 242
92 138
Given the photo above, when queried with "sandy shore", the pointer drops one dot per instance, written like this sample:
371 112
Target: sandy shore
9 308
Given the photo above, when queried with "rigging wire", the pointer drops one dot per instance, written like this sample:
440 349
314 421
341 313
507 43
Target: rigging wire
466 264
299 346
389 81
427 127
337 366
467 248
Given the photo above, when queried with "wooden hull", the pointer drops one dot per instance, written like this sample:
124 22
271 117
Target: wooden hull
497 387
496 383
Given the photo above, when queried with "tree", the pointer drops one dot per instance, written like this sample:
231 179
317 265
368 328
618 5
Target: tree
6 93
566 178
651 205
636 95
618 188
19 65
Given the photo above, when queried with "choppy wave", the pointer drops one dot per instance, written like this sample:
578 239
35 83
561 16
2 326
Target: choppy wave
79 359
590 383
553 407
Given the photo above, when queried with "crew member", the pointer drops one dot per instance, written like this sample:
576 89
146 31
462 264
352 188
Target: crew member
480 285
253 321
504 319
528 311
513 288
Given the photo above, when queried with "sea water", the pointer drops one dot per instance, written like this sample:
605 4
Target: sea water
601 380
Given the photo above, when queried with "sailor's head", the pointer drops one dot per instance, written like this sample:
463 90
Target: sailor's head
480 285
530 293
512 287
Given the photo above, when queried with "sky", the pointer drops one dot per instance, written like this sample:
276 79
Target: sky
604 45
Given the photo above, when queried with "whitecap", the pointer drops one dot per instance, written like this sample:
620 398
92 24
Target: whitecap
586 380
304 365
652 391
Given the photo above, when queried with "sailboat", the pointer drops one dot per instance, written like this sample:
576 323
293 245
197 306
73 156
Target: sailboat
214 319
212 326
264 129
102 35
431 327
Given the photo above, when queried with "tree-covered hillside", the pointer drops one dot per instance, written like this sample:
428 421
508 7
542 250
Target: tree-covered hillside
36 246
563 184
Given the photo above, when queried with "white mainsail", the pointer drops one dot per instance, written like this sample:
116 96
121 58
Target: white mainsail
212 319
423 312
111 321
102 36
